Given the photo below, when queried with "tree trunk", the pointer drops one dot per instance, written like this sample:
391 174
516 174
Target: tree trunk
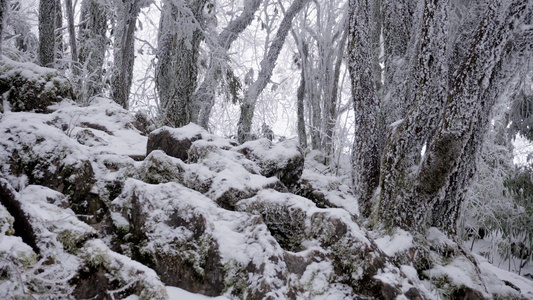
397 30
300 96
267 66
515 53
59 45
71 31
123 52
3 15
47 37
416 194
364 52
180 34
93 43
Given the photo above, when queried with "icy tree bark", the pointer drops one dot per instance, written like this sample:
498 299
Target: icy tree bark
92 47
364 52
428 94
180 34
3 14
300 96
415 194
71 31
511 49
123 52
244 126
205 95
47 36
398 21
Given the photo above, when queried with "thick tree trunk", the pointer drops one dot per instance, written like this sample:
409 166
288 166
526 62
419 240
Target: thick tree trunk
47 35
3 15
364 52
71 31
416 194
93 43
244 127
398 19
180 34
123 53
445 212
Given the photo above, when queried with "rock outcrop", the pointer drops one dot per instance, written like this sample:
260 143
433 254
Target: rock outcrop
87 213
29 87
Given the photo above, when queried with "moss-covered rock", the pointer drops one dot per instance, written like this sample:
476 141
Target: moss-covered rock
105 273
283 160
6 222
29 87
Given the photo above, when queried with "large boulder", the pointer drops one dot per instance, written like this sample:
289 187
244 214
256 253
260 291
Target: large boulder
41 154
176 142
29 87
326 191
194 244
283 160
66 259
207 164
299 226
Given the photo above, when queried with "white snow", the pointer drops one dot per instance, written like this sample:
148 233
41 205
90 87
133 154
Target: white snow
401 240
175 293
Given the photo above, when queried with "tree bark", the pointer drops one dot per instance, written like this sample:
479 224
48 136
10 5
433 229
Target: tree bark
3 15
47 35
364 53
71 31
514 54
300 96
180 34
244 127
124 51
417 192
93 43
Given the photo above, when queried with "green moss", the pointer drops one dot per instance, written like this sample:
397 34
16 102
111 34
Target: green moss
151 293
27 260
71 241
97 259
236 278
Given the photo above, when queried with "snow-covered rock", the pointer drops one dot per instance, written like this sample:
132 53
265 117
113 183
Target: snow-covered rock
283 160
220 221
29 87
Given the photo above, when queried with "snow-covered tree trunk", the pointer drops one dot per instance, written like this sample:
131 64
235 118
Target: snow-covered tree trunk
92 47
3 15
364 52
300 96
205 95
448 117
244 126
510 49
71 31
47 35
427 93
397 31
123 51
180 34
